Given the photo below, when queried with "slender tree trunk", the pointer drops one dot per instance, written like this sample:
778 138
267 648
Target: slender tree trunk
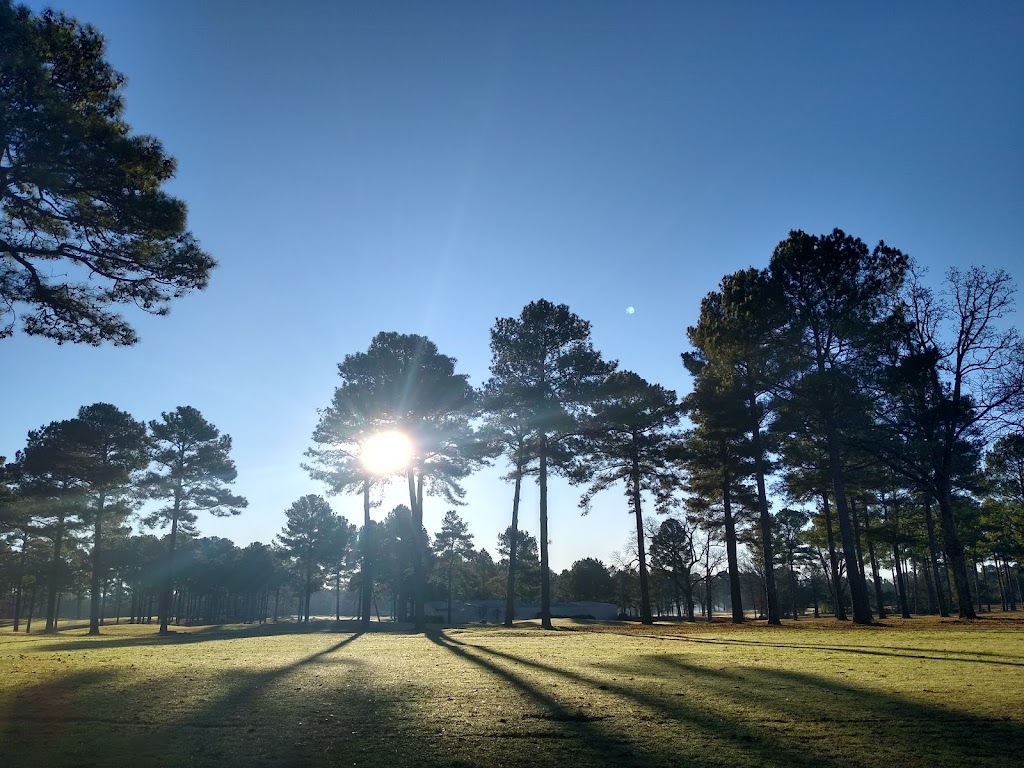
545 577
451 567
928 568
858 543
54 576
337 593
21 583
837 583
97 541
645 591
513 547
1011 591
792 578
31 608
858 589
879 594
999 580
774 614
707 580
954 548
165 591
977 585
933 549
901 586
917 587
366 587
730 549
420 591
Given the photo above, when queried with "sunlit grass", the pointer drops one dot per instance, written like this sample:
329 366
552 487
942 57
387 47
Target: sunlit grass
917 693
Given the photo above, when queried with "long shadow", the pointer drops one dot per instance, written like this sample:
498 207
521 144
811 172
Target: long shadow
913 732
714 729
922 653
957 738
218 632
97 715
598 745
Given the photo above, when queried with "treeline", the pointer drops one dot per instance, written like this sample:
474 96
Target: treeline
883 415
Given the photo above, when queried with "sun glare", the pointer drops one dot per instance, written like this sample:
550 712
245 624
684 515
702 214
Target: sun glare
386 452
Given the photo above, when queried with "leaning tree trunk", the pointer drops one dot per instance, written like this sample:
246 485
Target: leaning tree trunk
513 547
645 591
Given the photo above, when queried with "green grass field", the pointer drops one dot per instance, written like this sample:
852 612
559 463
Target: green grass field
919 693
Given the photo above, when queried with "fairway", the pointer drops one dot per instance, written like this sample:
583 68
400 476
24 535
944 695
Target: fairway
917 693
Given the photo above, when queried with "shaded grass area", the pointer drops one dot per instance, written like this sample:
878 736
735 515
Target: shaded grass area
910 694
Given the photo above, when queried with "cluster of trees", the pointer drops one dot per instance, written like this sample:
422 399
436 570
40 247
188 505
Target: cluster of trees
874 404
80 478
885 415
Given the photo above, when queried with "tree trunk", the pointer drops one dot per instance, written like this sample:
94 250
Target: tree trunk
730 549
858 543
837 584
792 578
1011 591
31 609
165 591
54 576
645 592
366 587
451 568
774 614
933 549
97 539
955 559
879 594
418 566
858 589
513 547
21 583
901 586
545 578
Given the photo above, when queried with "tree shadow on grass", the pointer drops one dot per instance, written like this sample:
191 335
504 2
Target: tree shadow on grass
762 716
706 736
100 718
929 654
220 632
910 732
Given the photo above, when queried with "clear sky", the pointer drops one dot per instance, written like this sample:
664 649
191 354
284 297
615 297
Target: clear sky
428 167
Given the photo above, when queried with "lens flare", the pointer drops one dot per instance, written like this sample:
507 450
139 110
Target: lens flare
386 453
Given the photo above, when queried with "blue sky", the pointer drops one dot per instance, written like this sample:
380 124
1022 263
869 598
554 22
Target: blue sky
426 168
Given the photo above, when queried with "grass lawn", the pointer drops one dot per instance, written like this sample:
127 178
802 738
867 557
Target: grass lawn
924 692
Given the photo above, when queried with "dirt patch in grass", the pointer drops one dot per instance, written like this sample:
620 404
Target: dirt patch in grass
909 693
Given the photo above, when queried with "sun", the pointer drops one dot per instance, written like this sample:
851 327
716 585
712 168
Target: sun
386 453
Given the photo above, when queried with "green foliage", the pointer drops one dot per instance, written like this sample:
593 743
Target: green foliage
84 222
588 580
545 369
193 469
